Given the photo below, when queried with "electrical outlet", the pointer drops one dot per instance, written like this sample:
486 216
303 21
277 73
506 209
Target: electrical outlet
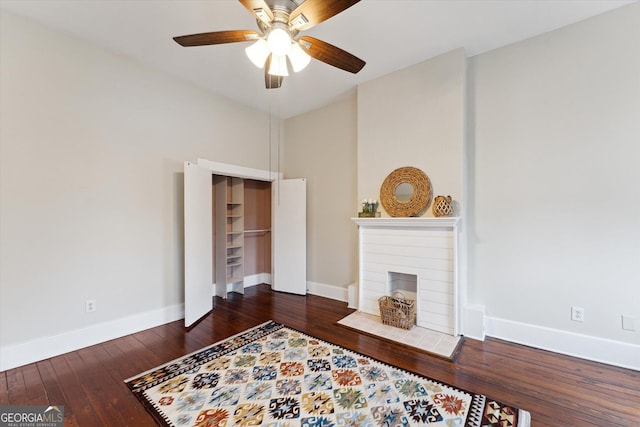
90 306
577 314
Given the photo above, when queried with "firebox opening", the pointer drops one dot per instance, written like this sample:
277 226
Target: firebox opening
405 283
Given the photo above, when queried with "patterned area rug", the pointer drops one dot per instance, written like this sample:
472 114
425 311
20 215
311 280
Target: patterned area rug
275 376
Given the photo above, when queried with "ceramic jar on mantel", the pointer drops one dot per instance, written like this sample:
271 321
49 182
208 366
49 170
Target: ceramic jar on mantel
442 206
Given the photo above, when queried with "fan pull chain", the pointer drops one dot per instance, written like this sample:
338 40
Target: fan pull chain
270 149
271 107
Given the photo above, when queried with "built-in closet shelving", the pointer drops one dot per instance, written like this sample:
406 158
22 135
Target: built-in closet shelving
229 231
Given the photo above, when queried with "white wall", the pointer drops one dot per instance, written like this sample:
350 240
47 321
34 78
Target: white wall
321 146
413 117
92 144
555 131
92 147
549 177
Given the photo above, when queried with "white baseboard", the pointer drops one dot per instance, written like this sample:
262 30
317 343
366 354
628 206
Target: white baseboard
257 279
252 280
352 295
473 319
339 293
12 356
603 350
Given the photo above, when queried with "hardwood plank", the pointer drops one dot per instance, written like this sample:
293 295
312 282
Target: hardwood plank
4 389
55 393
141 356
113 392
21 388
566 391
556 389
78 401
15 386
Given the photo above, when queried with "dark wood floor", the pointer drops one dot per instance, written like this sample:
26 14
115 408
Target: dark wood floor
557 390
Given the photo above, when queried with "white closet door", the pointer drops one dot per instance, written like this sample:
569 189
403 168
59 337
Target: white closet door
198 243
289 236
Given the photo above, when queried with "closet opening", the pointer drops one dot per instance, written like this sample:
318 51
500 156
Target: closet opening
241 233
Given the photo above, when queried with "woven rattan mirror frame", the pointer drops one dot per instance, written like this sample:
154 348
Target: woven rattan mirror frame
418 201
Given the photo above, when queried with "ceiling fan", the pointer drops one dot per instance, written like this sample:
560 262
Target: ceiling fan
278 41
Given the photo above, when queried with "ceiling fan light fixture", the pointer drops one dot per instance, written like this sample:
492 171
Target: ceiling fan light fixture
278 66
279 41
258 52
298 57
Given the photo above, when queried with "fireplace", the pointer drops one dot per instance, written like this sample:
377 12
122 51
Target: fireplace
417 257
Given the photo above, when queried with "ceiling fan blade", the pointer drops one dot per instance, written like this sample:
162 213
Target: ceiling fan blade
316 11
329 54
271 82
259 9
216 37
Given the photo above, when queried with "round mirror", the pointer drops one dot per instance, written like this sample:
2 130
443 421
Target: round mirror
405 192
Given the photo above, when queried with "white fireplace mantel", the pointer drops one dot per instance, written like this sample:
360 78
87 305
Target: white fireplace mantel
408 222
423 247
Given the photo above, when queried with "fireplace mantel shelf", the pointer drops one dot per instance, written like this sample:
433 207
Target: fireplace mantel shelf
408 222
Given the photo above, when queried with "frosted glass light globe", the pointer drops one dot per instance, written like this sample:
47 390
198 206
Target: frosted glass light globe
298 57
279 41
258 52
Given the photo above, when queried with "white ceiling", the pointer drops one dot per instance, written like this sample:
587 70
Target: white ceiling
388 34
